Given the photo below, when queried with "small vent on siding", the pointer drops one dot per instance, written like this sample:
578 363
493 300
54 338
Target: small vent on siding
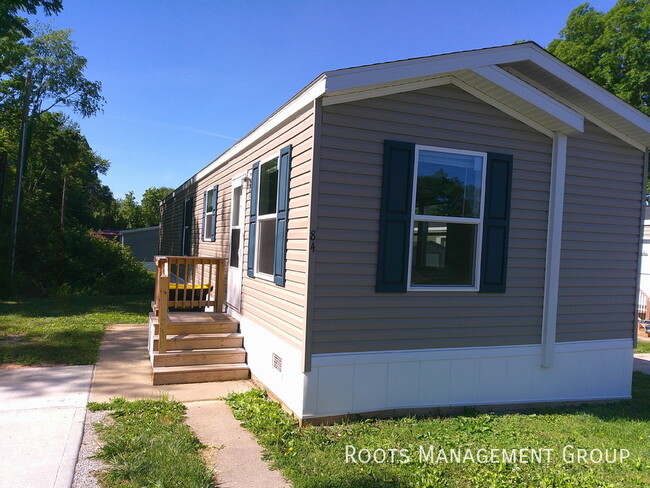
277 362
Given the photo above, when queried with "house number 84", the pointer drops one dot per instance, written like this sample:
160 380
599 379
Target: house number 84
312 239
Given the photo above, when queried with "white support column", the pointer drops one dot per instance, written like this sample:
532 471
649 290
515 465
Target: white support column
553 249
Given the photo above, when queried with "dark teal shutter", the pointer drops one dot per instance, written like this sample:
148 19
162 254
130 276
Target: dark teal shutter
496 219
395 217
255 180
215 193
205 206
279 260
188 211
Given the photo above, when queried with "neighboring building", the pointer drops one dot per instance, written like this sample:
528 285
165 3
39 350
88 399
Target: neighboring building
143 243
461 229
645 253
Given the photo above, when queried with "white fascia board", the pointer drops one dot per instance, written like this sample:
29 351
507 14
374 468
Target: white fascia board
305 98
589 88
532 95
422 67
381 91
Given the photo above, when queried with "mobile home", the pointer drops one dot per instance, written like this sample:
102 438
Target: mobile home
459 229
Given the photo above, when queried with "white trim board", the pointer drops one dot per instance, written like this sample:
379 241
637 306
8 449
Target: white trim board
553 249
364 382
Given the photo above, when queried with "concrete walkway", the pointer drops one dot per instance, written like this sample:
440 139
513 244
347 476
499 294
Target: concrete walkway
234 455
642 363
233 452
42 413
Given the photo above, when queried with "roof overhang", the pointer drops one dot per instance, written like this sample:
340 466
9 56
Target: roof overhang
523 80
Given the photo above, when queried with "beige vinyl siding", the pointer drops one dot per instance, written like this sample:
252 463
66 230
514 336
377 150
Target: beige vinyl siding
279 309
600 244
348 314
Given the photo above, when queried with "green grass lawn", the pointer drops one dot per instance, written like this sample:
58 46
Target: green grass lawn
642 347
315 457
62 331
147 444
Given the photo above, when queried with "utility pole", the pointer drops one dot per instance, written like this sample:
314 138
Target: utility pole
3 179
22 157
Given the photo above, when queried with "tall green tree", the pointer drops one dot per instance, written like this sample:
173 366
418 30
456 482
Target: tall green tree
11 22
38 76
129 212
63 194
612 48
132 215
57 75
150 204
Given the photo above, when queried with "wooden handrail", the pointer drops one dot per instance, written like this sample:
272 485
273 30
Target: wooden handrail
643 305
186 282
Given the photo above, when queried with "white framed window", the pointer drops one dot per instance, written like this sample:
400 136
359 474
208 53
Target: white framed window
446 219
209 231
267 208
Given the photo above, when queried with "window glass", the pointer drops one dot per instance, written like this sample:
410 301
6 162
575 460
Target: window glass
235 235
266 246
448 184
209 201
268 200
443 253
236 205
209 227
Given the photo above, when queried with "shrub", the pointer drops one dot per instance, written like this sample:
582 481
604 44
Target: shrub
94 265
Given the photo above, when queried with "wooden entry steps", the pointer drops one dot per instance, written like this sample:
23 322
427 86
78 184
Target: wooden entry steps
201 347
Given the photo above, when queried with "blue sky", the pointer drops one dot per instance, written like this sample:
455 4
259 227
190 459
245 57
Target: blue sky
184 79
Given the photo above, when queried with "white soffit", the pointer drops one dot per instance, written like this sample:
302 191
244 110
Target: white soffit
597 104
522 97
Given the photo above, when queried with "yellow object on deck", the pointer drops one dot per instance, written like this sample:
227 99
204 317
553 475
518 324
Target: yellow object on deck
188 286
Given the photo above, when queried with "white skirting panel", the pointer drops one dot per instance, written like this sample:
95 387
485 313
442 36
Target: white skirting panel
260 345
372 381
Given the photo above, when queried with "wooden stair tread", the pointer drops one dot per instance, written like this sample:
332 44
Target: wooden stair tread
189 352
199 368
215 335
200 318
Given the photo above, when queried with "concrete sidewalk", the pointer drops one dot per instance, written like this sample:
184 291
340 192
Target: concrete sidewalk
42 413
642 363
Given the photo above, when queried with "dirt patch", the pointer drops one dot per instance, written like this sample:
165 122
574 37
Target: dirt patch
14 339
21 366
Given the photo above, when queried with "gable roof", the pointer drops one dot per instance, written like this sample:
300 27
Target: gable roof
523 80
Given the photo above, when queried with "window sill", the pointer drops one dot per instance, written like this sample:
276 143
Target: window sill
264 276
442 288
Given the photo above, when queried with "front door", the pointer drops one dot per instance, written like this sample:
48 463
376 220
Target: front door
233 296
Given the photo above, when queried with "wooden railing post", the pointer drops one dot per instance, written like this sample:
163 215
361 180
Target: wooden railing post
220 289
163 307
